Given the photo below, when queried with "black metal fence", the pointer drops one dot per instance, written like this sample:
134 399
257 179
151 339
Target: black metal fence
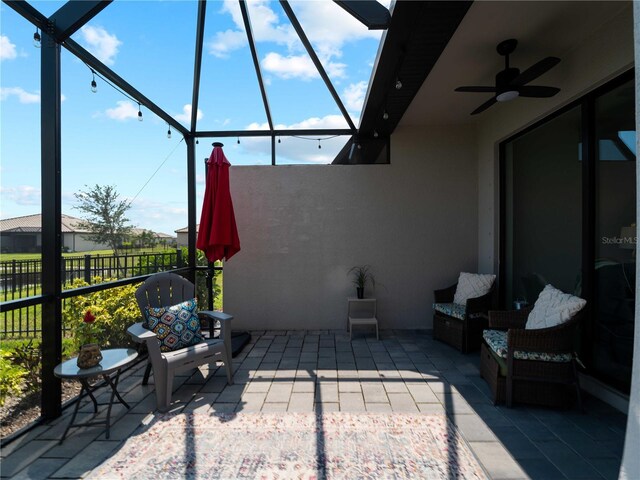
22 278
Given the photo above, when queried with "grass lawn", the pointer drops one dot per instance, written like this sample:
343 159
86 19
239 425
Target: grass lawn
7 257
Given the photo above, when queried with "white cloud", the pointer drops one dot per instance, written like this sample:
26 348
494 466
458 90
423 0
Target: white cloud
160 217
295 150
7 49
22 194
125 110
101 43
225 42
185 116
327 26
21 93
354 96
298 66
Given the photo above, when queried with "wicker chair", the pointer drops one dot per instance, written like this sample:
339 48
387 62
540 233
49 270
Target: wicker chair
463 333
550 379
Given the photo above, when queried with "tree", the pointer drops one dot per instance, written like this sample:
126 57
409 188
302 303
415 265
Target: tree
104 215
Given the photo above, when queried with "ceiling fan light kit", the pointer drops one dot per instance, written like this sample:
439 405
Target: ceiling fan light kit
511 83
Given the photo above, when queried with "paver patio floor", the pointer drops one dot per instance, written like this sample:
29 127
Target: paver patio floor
323 371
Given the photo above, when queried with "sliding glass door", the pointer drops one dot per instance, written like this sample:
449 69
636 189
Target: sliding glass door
569 221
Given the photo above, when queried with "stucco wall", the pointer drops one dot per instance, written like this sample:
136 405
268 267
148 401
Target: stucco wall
607 53
302 228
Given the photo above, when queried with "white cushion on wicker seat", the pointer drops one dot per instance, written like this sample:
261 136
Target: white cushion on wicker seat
552 308
472 285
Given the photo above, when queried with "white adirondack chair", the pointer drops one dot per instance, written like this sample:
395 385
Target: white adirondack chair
166 289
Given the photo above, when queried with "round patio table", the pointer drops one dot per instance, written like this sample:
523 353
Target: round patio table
113 361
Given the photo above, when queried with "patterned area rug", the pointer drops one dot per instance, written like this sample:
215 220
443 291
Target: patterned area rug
294 446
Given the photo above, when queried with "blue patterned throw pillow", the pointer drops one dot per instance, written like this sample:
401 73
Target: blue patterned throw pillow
176 326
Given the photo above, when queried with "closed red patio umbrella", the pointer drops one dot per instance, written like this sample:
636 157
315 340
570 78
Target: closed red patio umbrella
217 233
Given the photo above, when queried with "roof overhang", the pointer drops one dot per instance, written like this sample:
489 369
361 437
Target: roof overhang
417 35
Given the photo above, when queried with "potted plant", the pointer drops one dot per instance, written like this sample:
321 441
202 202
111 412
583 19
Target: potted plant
361 275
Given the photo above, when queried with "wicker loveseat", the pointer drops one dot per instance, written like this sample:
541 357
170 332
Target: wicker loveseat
460 325
530 366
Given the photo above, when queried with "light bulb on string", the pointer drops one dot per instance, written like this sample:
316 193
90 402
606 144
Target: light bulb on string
37 40
279 140
319 146
139 113
398 84
169 132
385 115
238 141
375 134
197 142
94 85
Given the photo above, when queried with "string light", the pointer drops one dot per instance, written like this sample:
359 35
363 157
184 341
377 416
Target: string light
279 140
375 134
238 140
94 89
197 142
385 115
94 85
319 146
398 84
37 40
169 132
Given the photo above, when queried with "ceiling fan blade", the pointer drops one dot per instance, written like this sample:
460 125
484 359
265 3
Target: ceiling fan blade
537 92
484 106
476 89
534 71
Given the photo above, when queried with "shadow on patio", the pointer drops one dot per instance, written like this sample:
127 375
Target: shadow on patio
320 372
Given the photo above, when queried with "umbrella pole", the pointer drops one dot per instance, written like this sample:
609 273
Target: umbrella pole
209 281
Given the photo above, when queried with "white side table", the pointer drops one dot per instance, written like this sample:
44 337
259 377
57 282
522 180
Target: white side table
362 311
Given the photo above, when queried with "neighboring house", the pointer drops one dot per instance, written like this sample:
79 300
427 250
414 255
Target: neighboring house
183 236
24 235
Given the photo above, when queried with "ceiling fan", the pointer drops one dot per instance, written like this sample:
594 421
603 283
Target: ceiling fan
511 83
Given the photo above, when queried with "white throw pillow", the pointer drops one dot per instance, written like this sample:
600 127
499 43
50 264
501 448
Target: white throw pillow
472 285
552 308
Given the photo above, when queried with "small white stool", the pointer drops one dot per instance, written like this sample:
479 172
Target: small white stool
361 311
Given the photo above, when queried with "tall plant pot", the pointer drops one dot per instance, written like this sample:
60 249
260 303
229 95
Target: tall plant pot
360 291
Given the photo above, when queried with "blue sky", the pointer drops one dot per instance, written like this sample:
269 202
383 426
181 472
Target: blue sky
151 45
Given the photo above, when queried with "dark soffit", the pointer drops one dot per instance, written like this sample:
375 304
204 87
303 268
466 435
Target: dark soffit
417 36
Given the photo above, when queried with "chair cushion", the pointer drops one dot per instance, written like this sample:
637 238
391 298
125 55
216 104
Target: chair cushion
452 309
472 285
176 326
497 341
552 308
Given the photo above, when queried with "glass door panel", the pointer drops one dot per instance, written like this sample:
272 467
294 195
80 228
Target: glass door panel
543 209
615 242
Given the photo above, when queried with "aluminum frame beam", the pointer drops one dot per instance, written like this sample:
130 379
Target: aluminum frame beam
51 205
197 66
116 79
316 61
271 133
256 63
368 12
73 15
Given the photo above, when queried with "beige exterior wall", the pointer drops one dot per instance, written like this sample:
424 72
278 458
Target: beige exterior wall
607 53
77 242
303 227
182 239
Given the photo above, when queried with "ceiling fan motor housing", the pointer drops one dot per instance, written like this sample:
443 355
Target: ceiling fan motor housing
504 79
